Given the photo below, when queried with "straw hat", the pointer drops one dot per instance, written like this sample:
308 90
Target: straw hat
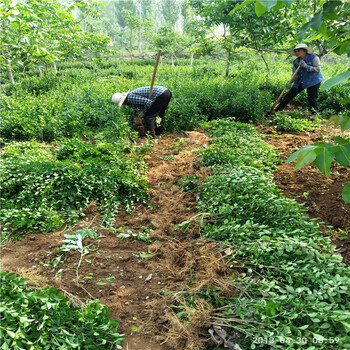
119 98
300 46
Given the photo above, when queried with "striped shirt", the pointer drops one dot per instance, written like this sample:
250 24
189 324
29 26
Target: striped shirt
138 99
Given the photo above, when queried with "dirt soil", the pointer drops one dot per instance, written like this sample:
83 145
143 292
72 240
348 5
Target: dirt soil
133 277
321 196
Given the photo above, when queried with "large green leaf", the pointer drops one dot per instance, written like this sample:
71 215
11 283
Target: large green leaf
269 4
303 30
293 157
346 193
324 160
330 6
306 156
345 125
341 78
343 155
341 141
316 20
259 8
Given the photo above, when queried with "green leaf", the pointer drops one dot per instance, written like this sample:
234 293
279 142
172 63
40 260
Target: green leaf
293 157
343 155
337 119
145 256
303 30
346 193
259 9
288 2
345 101
306 156
345 124
341 141
339 79
269 4
346 326
330 6
324 160
244 4
316 20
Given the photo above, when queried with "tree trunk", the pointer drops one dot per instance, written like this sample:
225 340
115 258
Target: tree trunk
139 39
172 59
130 40
192 54
9 70
139 29
54 66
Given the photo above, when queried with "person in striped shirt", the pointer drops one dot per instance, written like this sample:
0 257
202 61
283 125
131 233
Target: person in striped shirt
150 108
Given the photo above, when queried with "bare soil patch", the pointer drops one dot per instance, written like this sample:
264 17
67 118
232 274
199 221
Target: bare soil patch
129 275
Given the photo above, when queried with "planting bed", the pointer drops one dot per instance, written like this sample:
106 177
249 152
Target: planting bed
321 196
129 274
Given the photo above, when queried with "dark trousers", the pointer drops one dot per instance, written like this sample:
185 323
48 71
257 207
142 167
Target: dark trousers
312 94
158 107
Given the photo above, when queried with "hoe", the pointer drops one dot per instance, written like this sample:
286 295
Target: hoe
271 111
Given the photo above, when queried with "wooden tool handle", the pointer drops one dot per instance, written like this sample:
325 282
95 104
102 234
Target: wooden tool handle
154 74
285 88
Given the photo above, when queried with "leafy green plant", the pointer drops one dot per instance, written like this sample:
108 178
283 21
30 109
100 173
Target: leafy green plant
42 186
188 183
287 123
292 287
141 236
44 319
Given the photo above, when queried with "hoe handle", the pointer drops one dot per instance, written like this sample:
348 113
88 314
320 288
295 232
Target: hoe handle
154 74
285 88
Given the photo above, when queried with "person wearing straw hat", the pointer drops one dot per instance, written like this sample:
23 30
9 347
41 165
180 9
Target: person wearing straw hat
309 77
150 108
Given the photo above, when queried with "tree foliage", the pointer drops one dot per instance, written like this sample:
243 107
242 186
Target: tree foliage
44 31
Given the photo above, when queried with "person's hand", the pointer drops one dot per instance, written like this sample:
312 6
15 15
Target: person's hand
303 64
139 118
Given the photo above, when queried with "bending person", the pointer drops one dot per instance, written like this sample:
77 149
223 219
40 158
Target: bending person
150 108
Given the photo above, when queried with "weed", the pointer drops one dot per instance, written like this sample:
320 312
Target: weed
141 236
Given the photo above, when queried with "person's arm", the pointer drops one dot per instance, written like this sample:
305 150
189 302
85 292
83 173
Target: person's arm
316 65
136 99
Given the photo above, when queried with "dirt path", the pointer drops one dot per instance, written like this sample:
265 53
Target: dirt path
132 276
